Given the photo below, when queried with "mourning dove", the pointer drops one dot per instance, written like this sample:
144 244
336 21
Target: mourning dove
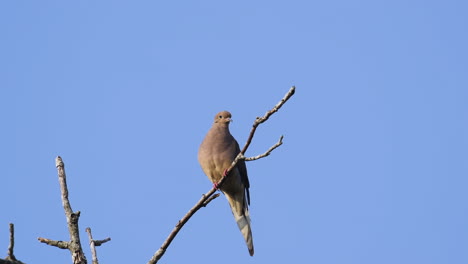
217 151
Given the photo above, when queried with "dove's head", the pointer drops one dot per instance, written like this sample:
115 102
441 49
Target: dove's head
223 117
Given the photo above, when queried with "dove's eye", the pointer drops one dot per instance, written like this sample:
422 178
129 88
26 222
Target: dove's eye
220 117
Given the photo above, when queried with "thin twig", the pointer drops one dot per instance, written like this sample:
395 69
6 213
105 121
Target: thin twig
74 245
11 256
210 199
207 197
267 115
267 153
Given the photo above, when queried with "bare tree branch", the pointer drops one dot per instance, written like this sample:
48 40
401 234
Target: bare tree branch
98 243
55 243
74 245
267 153
95 243
201 203
92 246
11 259
208 197
11 256
267 115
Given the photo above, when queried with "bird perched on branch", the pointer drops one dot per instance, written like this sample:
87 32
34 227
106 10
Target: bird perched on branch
217 151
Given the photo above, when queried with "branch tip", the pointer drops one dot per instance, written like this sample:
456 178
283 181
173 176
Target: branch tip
58 162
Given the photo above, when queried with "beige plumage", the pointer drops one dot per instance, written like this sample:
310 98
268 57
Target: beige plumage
216 153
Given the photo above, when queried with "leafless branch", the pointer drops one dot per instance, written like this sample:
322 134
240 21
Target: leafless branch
208 197
267 153
267 115
55 243
74 245
11 259
95 243
11 256
92 246
98 243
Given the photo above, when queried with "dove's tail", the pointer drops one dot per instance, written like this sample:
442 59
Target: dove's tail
243 222
241 214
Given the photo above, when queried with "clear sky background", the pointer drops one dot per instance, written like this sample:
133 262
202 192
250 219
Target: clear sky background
374 164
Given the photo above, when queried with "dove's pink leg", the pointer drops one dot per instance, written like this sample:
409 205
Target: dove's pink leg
215 185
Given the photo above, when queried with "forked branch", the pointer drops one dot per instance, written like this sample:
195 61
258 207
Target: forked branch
95 243
74 245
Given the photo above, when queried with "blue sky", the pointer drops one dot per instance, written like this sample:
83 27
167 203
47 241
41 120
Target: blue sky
374 163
